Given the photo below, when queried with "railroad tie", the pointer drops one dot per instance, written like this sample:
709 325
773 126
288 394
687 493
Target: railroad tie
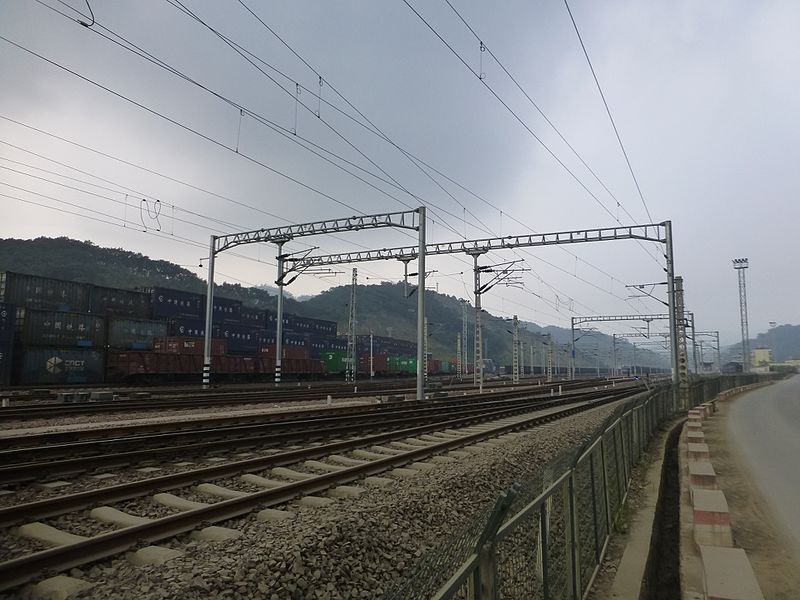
176 502
48 535
291 474
259 481
346 460
219 492
108 514
323 466
369 455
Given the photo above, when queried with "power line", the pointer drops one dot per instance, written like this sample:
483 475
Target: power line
519 119
146 108
608 110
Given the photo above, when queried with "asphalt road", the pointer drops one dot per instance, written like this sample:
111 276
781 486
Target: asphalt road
765 423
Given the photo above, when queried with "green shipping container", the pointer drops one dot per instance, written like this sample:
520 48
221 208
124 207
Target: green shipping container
334 360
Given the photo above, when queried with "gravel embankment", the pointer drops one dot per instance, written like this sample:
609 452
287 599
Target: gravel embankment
354 548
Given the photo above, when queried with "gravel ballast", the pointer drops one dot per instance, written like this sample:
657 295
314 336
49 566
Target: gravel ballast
354 548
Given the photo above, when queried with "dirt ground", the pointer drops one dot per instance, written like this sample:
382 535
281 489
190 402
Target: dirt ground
771 553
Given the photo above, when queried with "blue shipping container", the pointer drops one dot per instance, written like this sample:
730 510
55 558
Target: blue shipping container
113 301
241 339
166 303
63 329
47 366
32 291
134 334
6 354
188 328
8 315
226 310
253 317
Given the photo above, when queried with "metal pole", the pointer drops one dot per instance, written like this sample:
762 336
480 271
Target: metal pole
614 351
673 322
207 333
464 338
633 360
572 348
478 368
371 363
719 361
694 342
279 318
421 307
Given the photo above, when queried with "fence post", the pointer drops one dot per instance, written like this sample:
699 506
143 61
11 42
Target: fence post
483 583
544 534
594 507
574 554
605 481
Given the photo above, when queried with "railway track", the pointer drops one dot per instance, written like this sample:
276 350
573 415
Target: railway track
313 470
25 458
203 399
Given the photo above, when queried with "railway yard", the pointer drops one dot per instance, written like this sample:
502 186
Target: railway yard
239 493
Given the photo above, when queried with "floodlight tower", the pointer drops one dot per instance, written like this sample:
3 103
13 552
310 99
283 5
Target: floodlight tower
740 264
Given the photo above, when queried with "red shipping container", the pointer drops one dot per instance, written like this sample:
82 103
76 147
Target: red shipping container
187 345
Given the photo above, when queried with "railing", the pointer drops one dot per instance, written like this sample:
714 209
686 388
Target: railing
546 537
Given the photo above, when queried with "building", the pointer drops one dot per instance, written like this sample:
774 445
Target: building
761 357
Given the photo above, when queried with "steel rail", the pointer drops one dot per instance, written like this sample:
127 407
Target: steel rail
10 441
23 569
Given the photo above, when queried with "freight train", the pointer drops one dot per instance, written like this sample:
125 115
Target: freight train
55 332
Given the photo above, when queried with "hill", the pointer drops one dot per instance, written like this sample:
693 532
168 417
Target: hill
381 309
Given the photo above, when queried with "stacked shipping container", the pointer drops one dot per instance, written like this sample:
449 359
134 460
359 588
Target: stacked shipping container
66 330
7 317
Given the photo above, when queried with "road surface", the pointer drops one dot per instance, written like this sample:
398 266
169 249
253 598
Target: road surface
765 424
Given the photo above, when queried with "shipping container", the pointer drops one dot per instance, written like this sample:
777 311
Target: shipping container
187 345
123 303
31 291
134 334
52 366
60 329
241 338
225 310
8 317
380 363
253 317
188 328
335 361
6 357
300 324
166 303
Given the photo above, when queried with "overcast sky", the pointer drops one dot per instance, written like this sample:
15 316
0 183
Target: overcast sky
704 94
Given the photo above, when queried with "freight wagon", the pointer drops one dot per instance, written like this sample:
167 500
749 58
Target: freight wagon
156 367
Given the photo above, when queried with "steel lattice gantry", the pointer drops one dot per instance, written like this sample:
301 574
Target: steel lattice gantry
654 232
412 219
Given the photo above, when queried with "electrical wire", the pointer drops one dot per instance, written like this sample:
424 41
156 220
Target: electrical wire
519 119
608 110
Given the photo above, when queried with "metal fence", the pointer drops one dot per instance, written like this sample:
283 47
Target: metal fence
546 537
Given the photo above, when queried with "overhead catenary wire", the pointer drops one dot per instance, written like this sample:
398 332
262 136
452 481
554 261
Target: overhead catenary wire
521 121
150 57
608 110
